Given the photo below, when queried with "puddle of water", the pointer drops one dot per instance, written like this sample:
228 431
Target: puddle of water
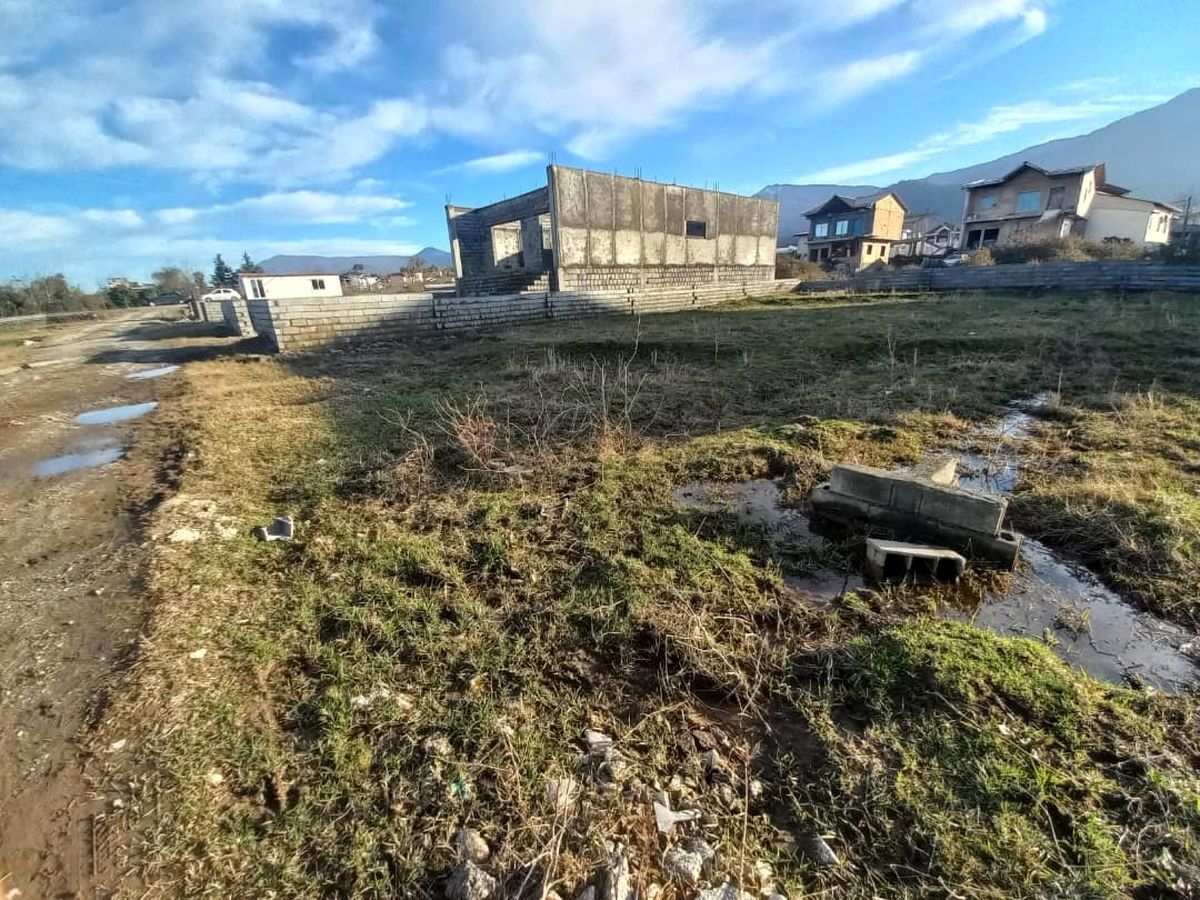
116 414
152 373
997 470
1095 627
756 503
72 462
1049 594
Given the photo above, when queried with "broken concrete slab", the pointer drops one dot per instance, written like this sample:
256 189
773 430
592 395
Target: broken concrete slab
897 560
937 469
911 506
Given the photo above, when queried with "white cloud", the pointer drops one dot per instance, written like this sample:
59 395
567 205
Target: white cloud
863 75
999 120
500 162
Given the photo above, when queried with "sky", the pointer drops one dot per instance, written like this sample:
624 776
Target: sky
140 134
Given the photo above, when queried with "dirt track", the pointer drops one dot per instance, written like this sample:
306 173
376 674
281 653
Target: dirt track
70 604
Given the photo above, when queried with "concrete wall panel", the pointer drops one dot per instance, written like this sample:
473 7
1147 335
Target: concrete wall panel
727 216
701 251
572 250
654 215
725 249
627 194
654 248
600 248
676 248
627 245
572 208
599 200
674 200
746 250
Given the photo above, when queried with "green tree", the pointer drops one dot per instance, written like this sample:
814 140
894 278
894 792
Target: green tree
223 274
248 265
199 285
172 278
123 297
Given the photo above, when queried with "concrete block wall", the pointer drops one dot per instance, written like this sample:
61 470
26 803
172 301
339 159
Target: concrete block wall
304 323
1061 276
237 317
211 311
603 220
653 277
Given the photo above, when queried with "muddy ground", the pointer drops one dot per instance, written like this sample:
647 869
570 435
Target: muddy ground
71 605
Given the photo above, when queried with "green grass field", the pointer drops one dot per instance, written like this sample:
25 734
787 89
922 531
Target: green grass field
491 559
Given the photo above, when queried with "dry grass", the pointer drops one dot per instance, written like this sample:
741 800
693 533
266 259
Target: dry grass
490 560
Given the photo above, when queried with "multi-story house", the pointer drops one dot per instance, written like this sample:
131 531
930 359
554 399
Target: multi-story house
855 231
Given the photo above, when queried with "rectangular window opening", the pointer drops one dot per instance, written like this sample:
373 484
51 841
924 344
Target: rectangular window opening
842 228
987 203
318 284
1055 200
256 288
821 230
1029 201
870 249
990 236
695 228
973 238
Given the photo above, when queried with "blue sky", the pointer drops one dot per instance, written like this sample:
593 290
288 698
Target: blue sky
144 133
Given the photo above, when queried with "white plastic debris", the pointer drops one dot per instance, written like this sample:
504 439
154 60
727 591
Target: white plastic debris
117 746
198 653
667 818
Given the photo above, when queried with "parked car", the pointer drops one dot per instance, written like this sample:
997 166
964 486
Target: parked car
166 298
954 258
219 294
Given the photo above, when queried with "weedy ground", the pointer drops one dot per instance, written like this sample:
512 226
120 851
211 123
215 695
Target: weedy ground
490 560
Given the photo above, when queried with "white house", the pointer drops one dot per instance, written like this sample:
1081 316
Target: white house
258 286
1115 215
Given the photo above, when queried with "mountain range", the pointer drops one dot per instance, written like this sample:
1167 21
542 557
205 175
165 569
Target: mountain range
379 265
1152 152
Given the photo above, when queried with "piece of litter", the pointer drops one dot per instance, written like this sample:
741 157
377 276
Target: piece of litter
198 653
215 778
184 536
282 529
562 793
667 818
117 746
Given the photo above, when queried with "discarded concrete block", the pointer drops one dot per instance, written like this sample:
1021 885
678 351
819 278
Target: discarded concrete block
896 560
282 529
937 469
915 507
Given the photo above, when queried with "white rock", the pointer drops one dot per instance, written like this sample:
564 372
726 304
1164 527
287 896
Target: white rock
184 536
214 778
562 794
597 741
469 882
618 883
117 746
682 866
199 653
437 745
725 891
821 853
471 846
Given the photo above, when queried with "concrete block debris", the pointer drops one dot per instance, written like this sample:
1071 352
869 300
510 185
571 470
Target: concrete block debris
898 560
282 529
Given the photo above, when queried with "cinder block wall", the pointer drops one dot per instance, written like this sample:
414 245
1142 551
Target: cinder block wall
1061 276
237 317
304 323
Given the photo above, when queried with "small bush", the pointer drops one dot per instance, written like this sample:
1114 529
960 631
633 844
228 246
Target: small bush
981 257
788 266
1068 249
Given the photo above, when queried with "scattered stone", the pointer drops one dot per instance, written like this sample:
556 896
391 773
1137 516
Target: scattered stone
469 882
117 746
97 592
618 884
598 743
725 891
198 653
766 876
215 778
820 852
562 794
438 746
184 536
282 529
685 864
471 846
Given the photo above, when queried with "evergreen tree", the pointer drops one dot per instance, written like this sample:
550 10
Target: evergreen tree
223 275
249 265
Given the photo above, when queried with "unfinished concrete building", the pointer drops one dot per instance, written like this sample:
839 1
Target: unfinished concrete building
594 231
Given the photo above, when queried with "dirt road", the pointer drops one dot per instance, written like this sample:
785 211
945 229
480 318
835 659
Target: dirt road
70 561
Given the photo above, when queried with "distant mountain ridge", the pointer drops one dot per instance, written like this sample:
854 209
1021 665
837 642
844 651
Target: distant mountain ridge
380 265
1152 152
